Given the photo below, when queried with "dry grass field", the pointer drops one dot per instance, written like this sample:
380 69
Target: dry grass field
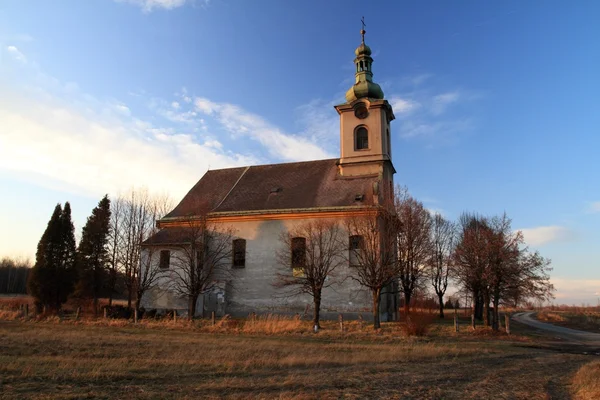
277 358
585 320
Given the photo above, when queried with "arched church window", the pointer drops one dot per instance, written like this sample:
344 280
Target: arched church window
239 253
298 251
361 137
357 245
389 142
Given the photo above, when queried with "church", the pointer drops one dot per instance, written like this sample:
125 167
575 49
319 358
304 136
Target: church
259 203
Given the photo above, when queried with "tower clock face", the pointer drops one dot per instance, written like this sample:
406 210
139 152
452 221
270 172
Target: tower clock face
361 112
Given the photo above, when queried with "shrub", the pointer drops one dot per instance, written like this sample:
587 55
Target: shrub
417 324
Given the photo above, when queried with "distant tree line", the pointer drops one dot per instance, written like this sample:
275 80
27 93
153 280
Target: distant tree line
13 275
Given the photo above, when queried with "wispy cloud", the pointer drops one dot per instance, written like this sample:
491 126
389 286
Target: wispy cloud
429 113
576 291
404 106
150 5
14 52
442 101
543 235
594 207
57 136
280 145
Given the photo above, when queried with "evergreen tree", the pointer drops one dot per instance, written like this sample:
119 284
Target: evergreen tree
92 255
52 277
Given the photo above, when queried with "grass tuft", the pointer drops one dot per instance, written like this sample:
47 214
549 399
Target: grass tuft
586 382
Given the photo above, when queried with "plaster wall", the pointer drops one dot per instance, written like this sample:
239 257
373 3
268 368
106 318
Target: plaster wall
251 289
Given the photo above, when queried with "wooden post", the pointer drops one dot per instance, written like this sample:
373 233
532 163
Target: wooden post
135 315
455 321
212 317
341 318
473 321
77 313
26 310
105 312
507 323
44 310
174 315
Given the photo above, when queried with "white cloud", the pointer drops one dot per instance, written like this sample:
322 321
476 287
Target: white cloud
429 128
16 54
594 207
150 5
420 79
320 122
542 235
576 291
239 122
60 146
403 106
441 102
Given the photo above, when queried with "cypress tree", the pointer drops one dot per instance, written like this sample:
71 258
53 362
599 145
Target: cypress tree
51 279
92 255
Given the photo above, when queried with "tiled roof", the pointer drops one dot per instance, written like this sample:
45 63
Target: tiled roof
299 185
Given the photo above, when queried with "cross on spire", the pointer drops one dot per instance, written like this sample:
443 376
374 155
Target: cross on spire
362 31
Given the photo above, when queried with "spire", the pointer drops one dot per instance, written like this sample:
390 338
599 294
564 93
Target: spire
364 85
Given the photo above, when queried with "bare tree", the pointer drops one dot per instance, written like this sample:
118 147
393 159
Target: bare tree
148 273
440 258
136 224
493 263
314 250
202 256
134 220
512 268
470 260
373 259
413 241
114 245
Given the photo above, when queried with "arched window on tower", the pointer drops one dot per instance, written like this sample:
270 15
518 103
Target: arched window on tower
389 142
361 138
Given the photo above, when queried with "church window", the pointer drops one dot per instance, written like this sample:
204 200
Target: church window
199 259
239 253
165 258
357 245
361 138
389 141
298 256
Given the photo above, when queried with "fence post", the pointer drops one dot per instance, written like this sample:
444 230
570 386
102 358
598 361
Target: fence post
77 313
507 323
174 315
105 312
212 317
26 310
455 321
341 318
473 321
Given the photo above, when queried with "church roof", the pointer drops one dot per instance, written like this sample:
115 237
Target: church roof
288 186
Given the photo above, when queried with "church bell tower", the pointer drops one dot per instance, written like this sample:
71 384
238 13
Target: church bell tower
365 141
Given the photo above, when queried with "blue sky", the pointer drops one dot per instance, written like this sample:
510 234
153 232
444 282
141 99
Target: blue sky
496 105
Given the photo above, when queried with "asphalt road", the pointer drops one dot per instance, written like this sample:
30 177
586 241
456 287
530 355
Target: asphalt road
569 335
